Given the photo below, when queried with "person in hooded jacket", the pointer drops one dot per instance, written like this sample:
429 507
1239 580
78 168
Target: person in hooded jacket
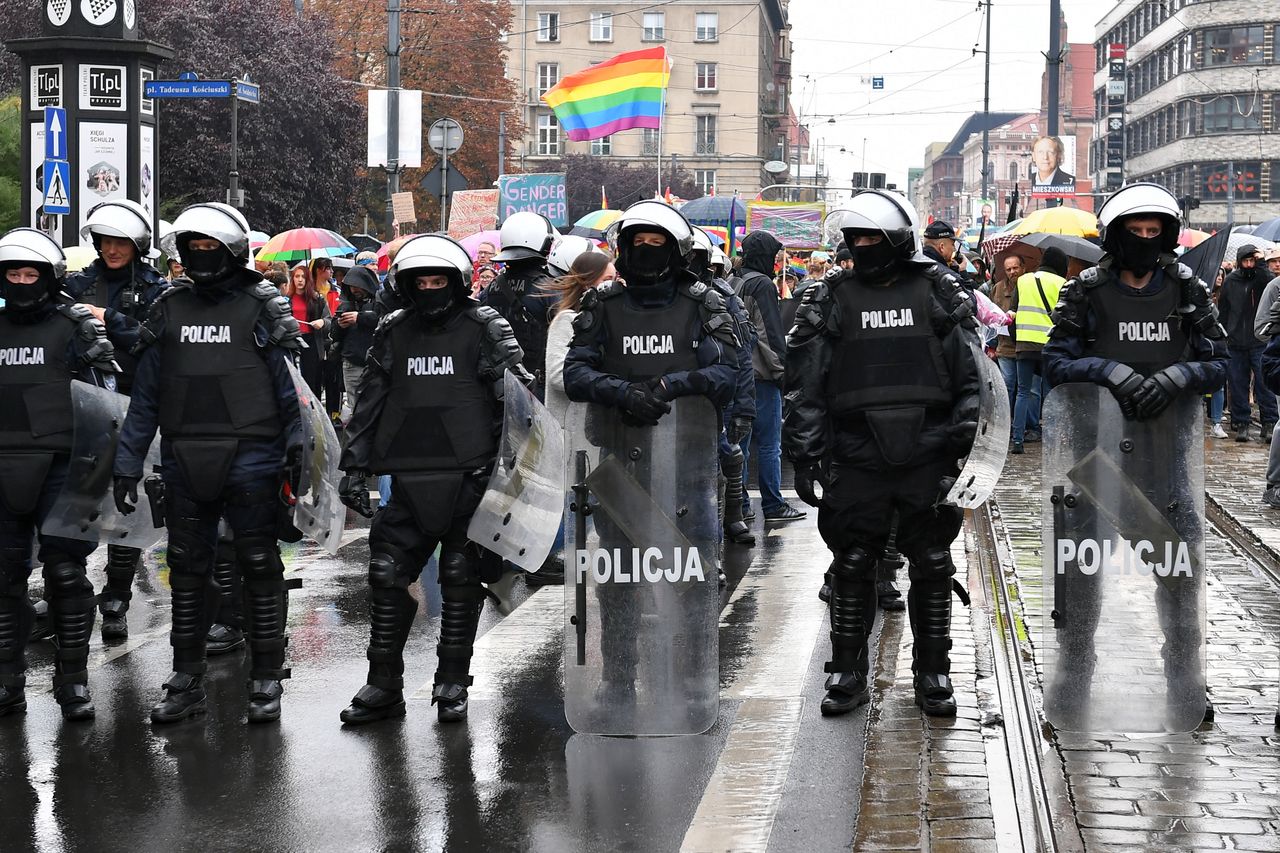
759 295
1237 311
119 288
45 344
355 320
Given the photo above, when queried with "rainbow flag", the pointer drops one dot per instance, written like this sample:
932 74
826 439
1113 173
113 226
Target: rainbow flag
617 94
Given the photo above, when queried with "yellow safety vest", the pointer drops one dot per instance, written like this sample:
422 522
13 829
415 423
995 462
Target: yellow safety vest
1032 320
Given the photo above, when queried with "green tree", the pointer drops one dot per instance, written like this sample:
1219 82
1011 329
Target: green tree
10 163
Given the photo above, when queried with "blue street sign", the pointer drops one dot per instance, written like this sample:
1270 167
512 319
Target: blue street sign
877 82
188 75
248 92
55 133
187 89
57 187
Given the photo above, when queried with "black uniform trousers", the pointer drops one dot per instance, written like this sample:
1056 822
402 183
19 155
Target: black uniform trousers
250 508
399 546
71 598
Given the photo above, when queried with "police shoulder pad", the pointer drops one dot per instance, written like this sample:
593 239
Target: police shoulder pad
482 314
391 319
1092 277
75 312
264 290
697 289
607 290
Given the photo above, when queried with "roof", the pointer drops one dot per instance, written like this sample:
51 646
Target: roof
974 124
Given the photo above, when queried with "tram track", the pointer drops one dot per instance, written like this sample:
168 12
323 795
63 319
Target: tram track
1037 792
1244 539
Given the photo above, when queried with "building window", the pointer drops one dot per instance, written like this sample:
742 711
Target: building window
1235 46
1228 113
649 140
705 179
1015 174
548 26
602 146
602 26
548 76
655 28
1217 180
705 136
704 76
548 134
706 26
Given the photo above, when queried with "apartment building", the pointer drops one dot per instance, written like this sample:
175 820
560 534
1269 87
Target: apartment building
726 110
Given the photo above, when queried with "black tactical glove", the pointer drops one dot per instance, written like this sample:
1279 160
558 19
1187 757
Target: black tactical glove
1158 390
293 468
125 490
353 491
1124 383
738 429
643 405
807 477
962 435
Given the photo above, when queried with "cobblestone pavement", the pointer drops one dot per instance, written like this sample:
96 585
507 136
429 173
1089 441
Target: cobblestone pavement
1215 788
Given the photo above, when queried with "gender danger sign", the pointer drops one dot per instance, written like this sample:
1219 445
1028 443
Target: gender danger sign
539 193
102 87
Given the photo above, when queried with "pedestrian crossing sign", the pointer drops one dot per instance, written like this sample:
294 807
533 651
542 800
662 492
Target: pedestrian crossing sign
57 186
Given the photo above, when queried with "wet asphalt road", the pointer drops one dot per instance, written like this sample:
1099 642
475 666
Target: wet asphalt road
771 775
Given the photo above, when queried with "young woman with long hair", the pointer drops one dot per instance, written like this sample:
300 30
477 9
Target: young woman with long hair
588 270
312 314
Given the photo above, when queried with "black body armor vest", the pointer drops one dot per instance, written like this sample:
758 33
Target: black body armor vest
35 384
1144 332
439 411
131 306
647 343
214 381
888 354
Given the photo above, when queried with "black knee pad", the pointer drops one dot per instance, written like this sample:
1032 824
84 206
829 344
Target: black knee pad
65 579
460 576
390 568
934 564
854 565
259 560
189 555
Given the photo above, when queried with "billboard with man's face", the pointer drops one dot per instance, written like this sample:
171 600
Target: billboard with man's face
1053 160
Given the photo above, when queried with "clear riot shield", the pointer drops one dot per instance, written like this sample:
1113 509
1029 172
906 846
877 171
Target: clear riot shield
642 601
86 509
520 513
982 467
318 511
1123 641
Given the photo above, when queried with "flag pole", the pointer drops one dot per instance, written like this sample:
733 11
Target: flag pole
662 111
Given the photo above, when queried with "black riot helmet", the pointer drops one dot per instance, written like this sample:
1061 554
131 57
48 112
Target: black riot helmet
28 248
431 254
878 213
217 221
1139 201
646 265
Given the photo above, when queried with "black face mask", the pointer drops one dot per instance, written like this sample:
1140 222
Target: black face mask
25 297
1248 272
205 266
432 304
647 264
876 262
1137 254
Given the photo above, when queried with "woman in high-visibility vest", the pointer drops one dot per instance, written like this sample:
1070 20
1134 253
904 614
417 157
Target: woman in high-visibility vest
1037 293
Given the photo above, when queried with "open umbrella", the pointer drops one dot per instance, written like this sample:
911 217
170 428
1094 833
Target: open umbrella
304 244
1059 220
1189 238
258 239
473 241
598 219
384 253
1073 247
1238 239
364 242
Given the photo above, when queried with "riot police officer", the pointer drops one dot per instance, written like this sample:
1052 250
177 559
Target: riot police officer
213 377
1141 325
44 344
519 294
119 288
429 414
741 411
883 392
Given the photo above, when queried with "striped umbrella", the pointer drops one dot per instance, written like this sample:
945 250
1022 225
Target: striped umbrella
598 220
304 244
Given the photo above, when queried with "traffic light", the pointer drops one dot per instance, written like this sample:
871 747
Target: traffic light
859 180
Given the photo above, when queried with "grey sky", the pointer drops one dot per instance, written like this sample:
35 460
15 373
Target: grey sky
923 49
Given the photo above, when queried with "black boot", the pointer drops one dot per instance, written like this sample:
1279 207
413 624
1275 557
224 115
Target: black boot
16 618
72 604
184 697
391 611
853 613
929 604
122 568
226 634
266 609
887 593
735 527
460 614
